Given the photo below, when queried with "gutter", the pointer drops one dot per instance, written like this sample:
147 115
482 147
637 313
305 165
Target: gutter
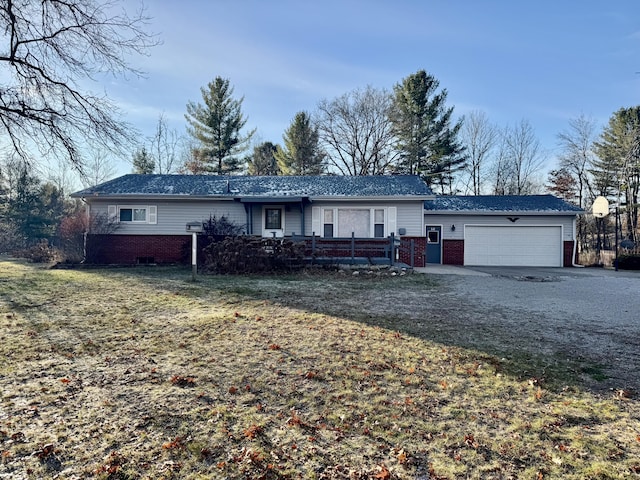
553 213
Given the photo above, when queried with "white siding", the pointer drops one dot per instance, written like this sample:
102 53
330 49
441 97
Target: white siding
461 220
408 214
172 217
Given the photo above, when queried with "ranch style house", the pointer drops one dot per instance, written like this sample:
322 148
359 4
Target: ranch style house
148 216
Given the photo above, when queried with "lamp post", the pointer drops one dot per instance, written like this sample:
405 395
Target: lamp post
194 228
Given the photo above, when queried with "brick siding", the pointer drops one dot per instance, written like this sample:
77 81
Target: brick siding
453 252
419 250
568 253
133 249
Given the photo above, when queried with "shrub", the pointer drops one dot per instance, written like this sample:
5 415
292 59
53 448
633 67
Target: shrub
629 262
71 236
221 226
41 252
244 254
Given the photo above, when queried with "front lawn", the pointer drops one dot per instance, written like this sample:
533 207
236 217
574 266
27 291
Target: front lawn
140 373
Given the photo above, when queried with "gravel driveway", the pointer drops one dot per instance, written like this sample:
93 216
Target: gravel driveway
581 313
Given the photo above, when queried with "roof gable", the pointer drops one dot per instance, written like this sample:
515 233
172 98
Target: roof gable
500 203
259 186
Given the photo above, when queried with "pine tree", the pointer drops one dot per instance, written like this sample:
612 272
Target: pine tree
263 160
301 154
426 138
617 171
216 125
143 162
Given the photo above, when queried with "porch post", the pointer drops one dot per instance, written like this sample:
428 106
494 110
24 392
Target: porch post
412 246
353 248
392 260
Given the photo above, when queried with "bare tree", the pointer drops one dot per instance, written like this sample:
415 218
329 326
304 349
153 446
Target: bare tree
51 48
62 176
577 158
165 147
519 160
480 137
577 153
501 169
98 168
356 133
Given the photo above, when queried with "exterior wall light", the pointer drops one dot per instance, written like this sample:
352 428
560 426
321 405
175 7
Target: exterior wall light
453 228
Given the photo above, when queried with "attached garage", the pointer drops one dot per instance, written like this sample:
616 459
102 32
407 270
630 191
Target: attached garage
523 230
535 246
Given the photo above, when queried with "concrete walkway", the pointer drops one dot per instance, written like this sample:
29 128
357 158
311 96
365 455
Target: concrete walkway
450 270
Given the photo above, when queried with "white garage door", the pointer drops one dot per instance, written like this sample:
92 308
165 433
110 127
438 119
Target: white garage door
513 246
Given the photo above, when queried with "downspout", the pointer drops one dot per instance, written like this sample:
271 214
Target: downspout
85 234
575 245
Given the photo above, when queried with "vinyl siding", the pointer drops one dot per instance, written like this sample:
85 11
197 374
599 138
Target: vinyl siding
408 216
292 217
461 220
172 217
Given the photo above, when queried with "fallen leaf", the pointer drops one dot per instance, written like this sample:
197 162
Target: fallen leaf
383 473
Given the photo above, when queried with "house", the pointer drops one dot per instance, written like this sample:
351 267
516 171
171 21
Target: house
530 230
151 211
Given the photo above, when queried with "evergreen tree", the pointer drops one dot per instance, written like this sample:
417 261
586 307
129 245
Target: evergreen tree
426 139
617 172
301 154
34 210
143 162
216 125
263 160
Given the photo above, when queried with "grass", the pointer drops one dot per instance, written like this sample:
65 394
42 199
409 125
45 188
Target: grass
140 373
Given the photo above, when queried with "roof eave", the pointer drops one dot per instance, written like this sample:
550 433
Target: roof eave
370 198
157 196
504 212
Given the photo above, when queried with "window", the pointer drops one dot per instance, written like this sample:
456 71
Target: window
433 236
354 221
359 221
328 224
273 218
132 214
378 223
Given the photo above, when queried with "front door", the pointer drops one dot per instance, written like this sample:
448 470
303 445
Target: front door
434 244
273 221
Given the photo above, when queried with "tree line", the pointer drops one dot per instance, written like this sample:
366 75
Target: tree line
367 131
410 130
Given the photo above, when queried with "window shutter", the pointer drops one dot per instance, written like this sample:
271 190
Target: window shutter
153 214
316 220
392 213
112 213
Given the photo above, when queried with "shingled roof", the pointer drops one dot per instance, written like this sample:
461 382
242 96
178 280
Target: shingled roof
488 204
136 185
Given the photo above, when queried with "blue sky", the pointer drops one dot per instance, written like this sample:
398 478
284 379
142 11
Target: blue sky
543 61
